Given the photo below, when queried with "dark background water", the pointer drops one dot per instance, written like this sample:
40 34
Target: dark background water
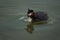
13 29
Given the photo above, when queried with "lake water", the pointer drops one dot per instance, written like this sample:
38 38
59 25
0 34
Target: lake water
11 28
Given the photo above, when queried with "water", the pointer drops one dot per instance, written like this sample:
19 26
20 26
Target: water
11 28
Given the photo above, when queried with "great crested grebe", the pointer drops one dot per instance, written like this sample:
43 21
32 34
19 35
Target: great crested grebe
37 16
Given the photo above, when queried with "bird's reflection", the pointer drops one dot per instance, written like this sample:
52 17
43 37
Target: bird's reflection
30 27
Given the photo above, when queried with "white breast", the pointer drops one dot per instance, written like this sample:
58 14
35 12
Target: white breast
29 19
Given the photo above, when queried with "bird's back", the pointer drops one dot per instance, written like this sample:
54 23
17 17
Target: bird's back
40 16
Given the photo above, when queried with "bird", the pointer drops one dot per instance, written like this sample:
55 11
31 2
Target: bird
37 16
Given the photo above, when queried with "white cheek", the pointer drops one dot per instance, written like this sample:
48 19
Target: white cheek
30 14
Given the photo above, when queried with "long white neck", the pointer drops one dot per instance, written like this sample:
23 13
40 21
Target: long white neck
29 19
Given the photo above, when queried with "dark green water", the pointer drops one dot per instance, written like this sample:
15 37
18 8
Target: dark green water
11 28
